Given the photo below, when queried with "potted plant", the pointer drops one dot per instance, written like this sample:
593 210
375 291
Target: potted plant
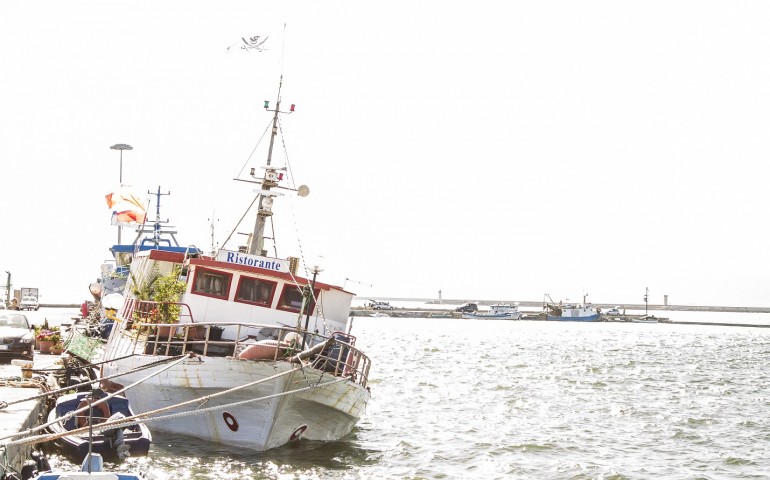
57 348
47 338
160 294
167 289
36 332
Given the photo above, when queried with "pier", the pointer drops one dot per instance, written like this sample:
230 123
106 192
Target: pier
452 303
446 309
17 417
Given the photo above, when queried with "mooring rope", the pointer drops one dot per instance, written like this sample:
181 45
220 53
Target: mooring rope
83 365
4 404
146 417
97 402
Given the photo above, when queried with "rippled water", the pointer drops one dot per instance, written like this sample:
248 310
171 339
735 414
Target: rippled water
518 399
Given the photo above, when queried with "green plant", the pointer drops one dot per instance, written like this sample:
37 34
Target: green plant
145 290
167 291
49 335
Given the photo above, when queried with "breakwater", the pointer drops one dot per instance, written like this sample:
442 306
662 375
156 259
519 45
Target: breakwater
453 303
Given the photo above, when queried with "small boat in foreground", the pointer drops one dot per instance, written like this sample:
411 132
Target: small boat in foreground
115 444
92 468
498 311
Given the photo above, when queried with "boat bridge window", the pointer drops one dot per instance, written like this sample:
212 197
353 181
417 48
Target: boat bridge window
212 283
255 290
291 298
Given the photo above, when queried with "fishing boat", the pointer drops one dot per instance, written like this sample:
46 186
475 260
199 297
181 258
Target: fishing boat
252 351
115 444
158 234
569 312
498 311
645 319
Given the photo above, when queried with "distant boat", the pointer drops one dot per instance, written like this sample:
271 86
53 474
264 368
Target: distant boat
645 319
570 312
499 311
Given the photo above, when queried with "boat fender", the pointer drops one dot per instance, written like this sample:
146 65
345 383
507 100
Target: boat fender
101 413
41 460
230 421
263 350
297 433
29 470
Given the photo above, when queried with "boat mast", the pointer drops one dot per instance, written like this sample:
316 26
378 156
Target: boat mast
156 230
269 180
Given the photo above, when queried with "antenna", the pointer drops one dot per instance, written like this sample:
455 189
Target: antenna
213 221
354 281
156 226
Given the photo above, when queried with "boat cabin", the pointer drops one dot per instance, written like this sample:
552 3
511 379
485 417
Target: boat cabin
253 290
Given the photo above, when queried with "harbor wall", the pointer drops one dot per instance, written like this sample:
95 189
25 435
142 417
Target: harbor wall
17 418
451 304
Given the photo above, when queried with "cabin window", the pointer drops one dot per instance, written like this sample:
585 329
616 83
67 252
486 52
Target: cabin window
255 290
212 283
291 299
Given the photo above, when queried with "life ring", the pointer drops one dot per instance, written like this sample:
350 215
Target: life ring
297 433
230 420
100 413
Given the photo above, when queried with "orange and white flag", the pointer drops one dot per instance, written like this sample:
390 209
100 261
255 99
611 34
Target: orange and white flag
126 208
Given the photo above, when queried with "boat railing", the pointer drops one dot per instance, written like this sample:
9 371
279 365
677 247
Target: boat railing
157 312
337 356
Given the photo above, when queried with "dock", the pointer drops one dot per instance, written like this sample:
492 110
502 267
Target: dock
17 417
446 309
452 303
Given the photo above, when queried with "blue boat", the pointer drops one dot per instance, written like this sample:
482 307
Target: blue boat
115 444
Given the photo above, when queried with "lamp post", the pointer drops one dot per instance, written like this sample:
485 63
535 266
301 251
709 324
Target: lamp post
8 289
121 147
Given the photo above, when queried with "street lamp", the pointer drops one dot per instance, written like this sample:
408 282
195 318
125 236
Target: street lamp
121 147
8 289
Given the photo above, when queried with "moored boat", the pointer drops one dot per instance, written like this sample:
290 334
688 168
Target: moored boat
645 319
115 444
92 468
258 354
156 235
569 312
498 311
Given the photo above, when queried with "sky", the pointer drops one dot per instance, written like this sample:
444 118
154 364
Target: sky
487 150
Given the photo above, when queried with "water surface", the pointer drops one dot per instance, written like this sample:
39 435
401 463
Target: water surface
480 399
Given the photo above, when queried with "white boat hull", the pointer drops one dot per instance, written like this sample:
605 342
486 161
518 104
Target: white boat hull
322 413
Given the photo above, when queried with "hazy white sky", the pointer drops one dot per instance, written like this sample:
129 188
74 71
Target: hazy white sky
491 150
